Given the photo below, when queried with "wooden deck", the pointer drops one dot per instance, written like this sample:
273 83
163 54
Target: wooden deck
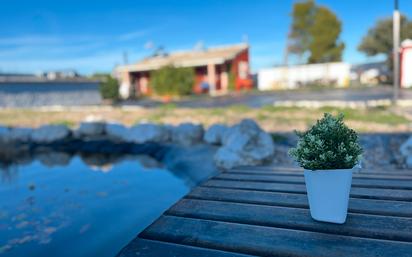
264 212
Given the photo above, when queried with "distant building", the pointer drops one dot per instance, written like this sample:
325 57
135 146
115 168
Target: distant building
372 73
62 88
62 74
212 68
406 63
289 77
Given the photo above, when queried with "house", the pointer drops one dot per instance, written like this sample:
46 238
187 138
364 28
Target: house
213 69
406 63
372 73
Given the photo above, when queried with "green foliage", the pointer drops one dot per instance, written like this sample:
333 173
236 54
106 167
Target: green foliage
315 33
172 81
325 31
300 36
232 81
329 144
379 39
109 87
67 123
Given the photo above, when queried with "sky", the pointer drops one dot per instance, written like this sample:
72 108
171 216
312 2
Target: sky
92 36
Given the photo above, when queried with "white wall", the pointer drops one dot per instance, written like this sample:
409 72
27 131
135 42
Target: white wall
292 76
406 66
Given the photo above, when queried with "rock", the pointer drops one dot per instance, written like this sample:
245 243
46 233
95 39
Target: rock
406 151
116 130
148 162
51 159
94 128
50 133
20 134
244 144
406 148
148 132
187 134
409 162
214 134
226 159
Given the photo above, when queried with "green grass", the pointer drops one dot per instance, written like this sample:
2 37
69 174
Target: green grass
377 115
271 108
66 123
167 107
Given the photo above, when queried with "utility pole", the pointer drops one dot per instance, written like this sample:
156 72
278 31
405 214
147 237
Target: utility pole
125 58
396 28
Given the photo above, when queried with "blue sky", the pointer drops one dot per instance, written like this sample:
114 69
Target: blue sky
91 36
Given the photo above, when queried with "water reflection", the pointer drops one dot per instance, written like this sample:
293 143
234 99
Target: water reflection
102 162
84 204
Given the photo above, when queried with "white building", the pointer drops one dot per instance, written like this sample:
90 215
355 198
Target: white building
406 63
289 77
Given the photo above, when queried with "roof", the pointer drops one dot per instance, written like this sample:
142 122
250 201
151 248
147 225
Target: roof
407 43
214 55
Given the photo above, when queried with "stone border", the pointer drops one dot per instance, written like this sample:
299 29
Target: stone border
241 144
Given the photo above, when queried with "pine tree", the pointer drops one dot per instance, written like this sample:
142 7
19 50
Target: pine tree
315 33
300 36
325 31
379 39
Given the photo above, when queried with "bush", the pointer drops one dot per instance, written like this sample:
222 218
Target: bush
172 81
109 88
329 144
232 81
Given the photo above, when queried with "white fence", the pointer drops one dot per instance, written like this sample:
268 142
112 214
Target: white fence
288 77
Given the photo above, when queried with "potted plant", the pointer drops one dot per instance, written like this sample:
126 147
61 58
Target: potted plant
329 152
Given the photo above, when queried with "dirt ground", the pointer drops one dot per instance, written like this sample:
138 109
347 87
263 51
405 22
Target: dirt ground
273 119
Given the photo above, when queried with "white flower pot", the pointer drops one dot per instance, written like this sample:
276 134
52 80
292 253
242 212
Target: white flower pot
328 194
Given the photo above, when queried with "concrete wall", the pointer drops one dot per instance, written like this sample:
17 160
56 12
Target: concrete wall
293 76
49 94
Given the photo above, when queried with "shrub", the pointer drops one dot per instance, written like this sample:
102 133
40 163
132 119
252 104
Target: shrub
109 88
170 80
329 144
232 81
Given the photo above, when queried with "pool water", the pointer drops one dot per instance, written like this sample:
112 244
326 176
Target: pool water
81 210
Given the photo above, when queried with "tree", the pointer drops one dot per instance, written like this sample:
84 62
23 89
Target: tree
300 36
170 80
315 33
109 86
325 31
379 39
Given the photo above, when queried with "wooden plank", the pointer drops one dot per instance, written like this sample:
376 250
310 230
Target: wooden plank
361 225
149 248
356 182
297 168
267 241
289 170
356 205
300 173
356 192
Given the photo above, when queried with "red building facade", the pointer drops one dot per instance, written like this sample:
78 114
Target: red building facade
216 70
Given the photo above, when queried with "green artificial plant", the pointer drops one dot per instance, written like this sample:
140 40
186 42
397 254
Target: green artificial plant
329 144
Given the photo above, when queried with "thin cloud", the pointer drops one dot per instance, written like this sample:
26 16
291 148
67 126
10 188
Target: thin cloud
31 39
132 35
86 53
87 64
